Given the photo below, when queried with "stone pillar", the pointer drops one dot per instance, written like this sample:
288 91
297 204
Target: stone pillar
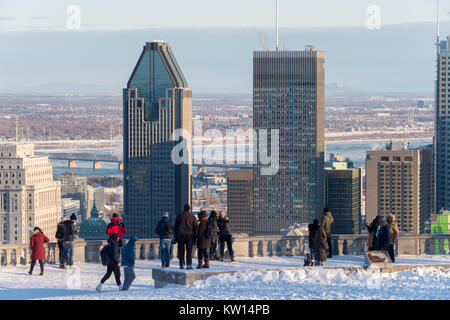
282 247
422 246
137 250
360 246
8 253
264 248
340 247
175 251
79 254
26 256
241 247
252 249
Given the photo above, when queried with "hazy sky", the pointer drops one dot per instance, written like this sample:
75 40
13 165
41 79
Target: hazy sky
136 14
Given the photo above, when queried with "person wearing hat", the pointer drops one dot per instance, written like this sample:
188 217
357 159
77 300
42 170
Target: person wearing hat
165 230
185 234
116 226
69 235
225 236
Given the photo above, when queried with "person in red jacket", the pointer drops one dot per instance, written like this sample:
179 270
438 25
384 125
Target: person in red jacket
37 241
116 226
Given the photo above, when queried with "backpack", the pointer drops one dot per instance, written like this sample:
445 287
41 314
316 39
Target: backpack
104 255
209 232
168 228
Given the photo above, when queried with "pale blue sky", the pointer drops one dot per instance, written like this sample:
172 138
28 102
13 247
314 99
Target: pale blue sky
137 14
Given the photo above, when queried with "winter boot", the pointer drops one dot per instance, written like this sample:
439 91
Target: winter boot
61 266
99 287
189 267
206 265
30 272
42 273
232 258
120 287
199 264
181 266
222 259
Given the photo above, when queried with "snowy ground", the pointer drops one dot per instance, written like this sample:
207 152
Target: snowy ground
253 283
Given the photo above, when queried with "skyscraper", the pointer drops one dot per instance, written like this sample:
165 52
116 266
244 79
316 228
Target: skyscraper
240 200
156 102
288 95
343 197
442 127
29 196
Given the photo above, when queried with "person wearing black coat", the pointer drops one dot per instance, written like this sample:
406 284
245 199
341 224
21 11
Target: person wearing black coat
313 231
114 262
70 232
60 238
203 242
225 237
185 234
164 230
215 238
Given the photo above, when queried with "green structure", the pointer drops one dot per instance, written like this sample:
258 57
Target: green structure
93 228
440 224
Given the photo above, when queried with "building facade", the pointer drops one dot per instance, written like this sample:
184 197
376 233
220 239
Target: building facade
28 195
395 185
442 127
76 188
240 200
343 197
156 102
288 95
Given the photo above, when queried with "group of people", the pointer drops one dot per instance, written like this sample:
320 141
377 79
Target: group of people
320 244
383 235
206 232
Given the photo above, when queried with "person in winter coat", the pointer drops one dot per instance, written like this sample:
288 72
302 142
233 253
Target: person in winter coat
70 232
379 237
327 225
37 241
372 229
389 236
165 231
114 262
116 226
215 238
320 246
60 237
185 235
313 231
203 242
128 261
225 237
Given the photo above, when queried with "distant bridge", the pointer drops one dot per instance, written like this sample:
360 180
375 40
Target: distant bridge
72 157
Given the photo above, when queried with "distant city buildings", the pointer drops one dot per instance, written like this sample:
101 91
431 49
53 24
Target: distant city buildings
29 196
240 200
156 102
343 197
288 95
396 185
76 188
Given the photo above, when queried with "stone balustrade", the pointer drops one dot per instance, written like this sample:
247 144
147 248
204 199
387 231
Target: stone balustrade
244 246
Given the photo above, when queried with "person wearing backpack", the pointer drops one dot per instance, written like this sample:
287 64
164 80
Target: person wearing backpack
128 261
164 230
389 235
70 232
215 238
60 237
37 241
204 235
116 226
112 262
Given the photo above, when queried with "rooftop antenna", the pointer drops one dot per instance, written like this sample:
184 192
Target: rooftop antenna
277 21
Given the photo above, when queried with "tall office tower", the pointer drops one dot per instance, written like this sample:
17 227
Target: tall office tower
240 200
396 184
442 127
343 197
427 185
76 188
156 102
288 95
28 195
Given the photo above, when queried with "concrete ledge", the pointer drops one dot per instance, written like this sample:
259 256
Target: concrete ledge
164 277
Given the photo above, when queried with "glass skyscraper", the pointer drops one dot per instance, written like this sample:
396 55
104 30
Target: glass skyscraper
156 102
288 95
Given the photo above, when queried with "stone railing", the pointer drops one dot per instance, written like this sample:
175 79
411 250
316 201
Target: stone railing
244 246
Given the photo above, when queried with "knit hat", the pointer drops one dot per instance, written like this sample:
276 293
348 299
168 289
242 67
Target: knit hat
165 214
187 207
73 217
115 215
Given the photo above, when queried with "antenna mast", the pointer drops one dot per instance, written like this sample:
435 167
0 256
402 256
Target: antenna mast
277 21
